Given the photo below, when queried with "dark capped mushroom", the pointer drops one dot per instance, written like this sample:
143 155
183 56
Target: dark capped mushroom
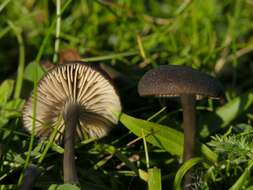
189 85
77 99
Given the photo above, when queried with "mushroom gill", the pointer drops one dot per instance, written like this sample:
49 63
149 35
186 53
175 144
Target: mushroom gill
74 83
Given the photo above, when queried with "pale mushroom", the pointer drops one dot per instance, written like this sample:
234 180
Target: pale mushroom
80 101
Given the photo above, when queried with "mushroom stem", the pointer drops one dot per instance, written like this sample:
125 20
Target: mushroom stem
189 125
31 174
70 116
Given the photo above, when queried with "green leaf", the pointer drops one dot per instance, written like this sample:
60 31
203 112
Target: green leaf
154 179
3 121
250 188
182 171
208 153
63 187
243 178
53 187
57 148
6 90
162 136
10 110
225 114
156 134
30 73
13 108
143 175
234 108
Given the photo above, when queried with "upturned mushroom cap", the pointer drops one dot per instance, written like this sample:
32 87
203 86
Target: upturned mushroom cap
172 80
81 85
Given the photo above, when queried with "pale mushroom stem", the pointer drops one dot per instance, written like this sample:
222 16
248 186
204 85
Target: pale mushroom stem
70 116
189 125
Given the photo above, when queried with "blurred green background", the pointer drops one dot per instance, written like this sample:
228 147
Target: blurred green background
130 37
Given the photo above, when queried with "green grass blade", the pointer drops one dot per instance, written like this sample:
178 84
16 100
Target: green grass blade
4 4
154 179
238 185
21 61
5 31
108 57
183 170
49 32
145 149
58 30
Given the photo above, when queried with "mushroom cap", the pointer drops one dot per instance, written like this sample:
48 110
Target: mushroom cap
82 85
68 55
172 80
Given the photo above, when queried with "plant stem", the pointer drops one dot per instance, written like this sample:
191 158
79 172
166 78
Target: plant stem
70 116
58 30
189 125
21 62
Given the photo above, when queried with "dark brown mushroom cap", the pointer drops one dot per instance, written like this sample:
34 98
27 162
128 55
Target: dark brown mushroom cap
172 80
82 85
68 55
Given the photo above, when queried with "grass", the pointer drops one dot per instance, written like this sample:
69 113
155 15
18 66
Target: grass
132 37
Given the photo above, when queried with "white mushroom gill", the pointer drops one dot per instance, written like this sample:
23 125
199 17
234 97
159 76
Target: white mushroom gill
73 83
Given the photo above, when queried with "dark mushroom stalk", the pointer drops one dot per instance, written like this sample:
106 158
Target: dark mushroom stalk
189 85
31 174
71 117
189 125
77 99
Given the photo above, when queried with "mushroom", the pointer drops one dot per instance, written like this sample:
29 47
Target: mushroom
77 99
189 85
68 55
